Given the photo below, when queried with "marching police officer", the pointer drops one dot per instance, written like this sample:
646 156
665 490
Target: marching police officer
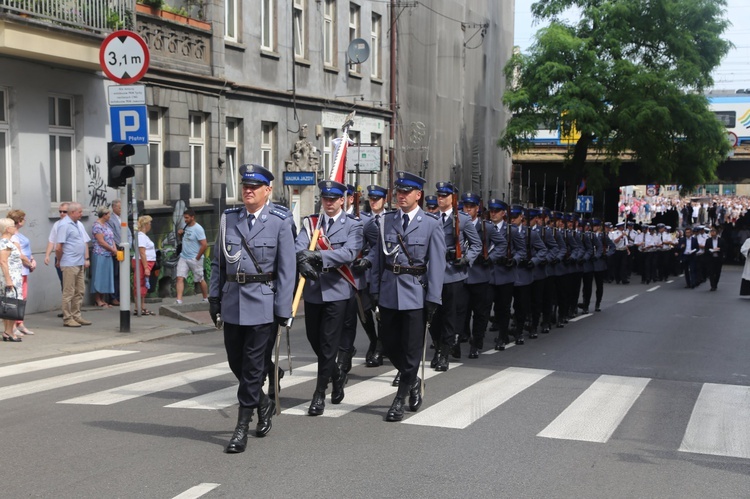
503 274
456 270
430 204
327 294
408 280
252 285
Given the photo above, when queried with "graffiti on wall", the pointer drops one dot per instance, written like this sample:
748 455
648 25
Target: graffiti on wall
97 185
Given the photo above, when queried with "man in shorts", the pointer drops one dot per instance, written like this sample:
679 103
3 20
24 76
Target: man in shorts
191 258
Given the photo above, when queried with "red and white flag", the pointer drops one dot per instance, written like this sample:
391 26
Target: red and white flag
338 168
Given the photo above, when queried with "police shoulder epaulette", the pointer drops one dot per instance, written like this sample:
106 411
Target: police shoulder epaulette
233 210
280 207
432 215
352 216
365 214
281 214
390 212
464 214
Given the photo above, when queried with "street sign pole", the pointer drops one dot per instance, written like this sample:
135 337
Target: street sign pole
125 263
137 248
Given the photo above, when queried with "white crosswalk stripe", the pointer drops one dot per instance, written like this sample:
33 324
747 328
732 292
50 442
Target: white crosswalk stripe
597 413
720 422
361 394
135 390
65 360
54 382
470 404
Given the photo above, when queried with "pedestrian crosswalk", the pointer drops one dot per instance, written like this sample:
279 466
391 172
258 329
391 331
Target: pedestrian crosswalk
718 425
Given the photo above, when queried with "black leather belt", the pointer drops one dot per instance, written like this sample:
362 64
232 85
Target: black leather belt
243 278
401 269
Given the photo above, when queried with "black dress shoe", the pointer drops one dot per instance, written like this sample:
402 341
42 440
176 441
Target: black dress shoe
473 353
533 334
499 345
456 351
415 396
345 359
265 413
442 363
238 442
545 330
396 412
318 404
337 393
585 311
519 341
435 358
559 325
397 379
376 360
598 309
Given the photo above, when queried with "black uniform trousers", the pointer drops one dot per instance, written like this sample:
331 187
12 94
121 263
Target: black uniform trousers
246 353
714 270
444 323
537 302
587 279
688 265
349 332
559 285
521 307
599 281
503 297
620 262
402 335
477 303
325 324
574 292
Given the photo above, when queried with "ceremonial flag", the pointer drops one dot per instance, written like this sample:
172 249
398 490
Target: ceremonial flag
582 187
338 168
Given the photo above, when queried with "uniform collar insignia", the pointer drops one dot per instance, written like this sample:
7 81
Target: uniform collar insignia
419 219
263 217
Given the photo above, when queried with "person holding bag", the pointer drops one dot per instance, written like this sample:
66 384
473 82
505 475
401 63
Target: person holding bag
11 267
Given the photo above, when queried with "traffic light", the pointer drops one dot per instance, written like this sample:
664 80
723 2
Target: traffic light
117 166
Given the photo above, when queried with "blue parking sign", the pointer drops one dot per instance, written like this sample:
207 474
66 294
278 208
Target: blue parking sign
129 124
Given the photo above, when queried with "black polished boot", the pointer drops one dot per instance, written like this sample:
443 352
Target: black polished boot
238 442
318 404
265 413
415 396
436 357
442 363
396 412
344 360
337 391
473 352
397 379
456 351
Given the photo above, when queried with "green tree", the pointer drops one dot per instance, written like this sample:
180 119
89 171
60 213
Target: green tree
629 75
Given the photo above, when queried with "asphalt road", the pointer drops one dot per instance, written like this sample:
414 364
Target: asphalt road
649 398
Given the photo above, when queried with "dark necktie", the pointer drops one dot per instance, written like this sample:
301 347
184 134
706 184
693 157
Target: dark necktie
406 222
250 221
445 216
330 224
377 220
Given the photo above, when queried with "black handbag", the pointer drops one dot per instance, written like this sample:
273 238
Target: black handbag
12 307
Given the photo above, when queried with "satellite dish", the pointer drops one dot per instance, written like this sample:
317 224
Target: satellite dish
358 51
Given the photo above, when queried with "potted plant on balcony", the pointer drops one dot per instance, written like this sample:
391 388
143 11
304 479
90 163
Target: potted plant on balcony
159 8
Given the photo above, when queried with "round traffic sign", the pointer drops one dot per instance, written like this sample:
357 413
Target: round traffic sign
124 57
732 138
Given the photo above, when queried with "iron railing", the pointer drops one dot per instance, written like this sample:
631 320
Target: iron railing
99 16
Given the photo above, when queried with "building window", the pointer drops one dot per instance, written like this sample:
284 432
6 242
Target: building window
4 149
268 24
232 146
328 135
197 143
231 18
149 177
330 54
354 29
268 145
375 47
300 29
61 149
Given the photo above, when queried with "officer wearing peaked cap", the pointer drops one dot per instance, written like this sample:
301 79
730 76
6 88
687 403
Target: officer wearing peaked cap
537 261
431 204
469 246
408 276
329 286
252 283
476 296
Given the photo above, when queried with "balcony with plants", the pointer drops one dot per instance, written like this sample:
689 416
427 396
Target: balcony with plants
90 16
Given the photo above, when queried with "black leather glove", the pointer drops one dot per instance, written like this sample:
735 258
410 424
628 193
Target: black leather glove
361 264
281 320
502 260
375 299
510 262
461 262
314 258
485 262
450 255
529 264
431 308
214 308
305 265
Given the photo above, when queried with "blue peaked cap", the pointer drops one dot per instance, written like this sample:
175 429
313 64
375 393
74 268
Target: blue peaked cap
255 175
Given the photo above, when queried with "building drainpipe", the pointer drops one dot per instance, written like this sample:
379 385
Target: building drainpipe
392 141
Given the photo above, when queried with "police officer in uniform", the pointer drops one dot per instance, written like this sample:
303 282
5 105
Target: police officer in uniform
408 280
537 261
446 324
327 295
476 297
600 261
503 274
430 204
252 286
523 278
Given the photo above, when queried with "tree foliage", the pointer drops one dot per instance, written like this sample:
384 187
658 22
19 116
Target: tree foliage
629 75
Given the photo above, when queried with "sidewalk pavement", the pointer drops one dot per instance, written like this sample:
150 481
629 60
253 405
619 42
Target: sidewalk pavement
51 339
